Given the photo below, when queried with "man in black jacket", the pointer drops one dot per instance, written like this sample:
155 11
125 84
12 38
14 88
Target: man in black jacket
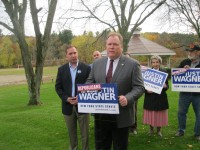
69 75
186 98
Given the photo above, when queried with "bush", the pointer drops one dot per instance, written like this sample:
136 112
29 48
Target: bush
168 70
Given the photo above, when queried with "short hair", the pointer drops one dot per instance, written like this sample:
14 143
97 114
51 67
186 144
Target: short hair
97 52
68 47
157 58
116 34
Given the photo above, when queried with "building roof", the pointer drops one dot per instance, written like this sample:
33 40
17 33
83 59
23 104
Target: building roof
139 45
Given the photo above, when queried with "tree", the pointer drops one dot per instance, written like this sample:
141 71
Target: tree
174 41
124 16
86 44
7 52
66 36
16 12
184 12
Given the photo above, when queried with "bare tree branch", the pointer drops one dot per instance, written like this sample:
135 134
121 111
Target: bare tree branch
96 16
118 15
185 12
22 12
7 27
34 13
48 26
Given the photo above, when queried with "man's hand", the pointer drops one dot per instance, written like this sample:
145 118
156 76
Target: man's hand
165 85
149 91
72 100
123 101
187 67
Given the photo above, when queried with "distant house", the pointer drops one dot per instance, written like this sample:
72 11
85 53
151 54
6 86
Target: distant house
140 46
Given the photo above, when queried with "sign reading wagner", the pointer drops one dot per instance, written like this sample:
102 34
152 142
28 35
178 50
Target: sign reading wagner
98 98
186 80
154 80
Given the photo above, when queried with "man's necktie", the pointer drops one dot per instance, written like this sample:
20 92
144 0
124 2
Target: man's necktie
109 73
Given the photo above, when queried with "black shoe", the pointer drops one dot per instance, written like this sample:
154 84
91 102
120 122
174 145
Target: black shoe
134 131
178 134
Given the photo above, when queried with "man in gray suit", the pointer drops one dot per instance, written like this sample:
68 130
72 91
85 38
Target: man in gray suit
126 73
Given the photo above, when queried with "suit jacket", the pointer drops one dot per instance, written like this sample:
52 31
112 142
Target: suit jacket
63 84
129 80
157 102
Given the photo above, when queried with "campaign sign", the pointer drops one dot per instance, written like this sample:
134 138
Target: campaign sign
98 98
186 80
154 80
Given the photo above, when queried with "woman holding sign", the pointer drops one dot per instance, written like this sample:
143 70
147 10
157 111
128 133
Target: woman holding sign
156 105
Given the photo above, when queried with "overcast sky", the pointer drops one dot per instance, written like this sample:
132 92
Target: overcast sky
150 25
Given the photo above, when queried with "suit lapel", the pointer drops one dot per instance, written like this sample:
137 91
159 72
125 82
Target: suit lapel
120 65
67 72
78 71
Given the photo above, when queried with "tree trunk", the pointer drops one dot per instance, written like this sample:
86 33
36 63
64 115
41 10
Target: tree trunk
34 94
125 43
17 13
32 81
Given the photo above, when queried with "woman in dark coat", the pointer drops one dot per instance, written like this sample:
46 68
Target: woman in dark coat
156 105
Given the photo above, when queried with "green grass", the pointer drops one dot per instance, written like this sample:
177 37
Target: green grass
42 127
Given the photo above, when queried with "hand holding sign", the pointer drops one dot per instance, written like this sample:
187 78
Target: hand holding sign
165 86
187 67
149 91
72 100
122 100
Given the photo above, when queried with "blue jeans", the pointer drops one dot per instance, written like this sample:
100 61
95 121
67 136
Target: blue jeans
185 99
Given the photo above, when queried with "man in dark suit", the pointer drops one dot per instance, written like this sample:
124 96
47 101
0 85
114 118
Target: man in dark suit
68 76
126 74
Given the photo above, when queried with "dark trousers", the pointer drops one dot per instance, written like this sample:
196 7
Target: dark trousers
97 134
134 126
107 133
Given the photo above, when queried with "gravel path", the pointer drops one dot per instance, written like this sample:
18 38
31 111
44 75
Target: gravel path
12 79
17 79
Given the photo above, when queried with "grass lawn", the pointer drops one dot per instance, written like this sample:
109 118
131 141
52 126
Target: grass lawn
42 127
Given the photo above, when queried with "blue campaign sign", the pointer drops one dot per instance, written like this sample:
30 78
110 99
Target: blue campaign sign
186 80
190 76
154 76
98 98
154 80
